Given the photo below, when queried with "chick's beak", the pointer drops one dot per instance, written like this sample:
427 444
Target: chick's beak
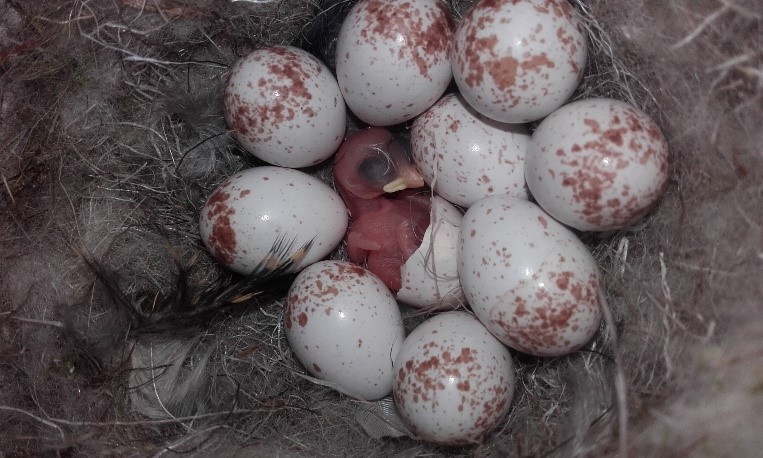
408 178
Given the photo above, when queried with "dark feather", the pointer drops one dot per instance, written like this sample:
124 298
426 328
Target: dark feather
189 306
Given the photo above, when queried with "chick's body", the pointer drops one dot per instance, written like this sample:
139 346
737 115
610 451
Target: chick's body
378 183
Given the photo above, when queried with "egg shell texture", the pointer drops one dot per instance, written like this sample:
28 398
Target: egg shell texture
465 156
344 325
430 275
518 60
393 58
597 164
454 381
285 107
254 210
530 280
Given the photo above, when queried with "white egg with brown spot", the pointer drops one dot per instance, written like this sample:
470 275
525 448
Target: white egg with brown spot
285 107
430 275
465 156
454 381
261 217
597 164
517 61
393 58
345 327
529 279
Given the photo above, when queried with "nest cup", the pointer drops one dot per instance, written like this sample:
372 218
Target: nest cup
113 136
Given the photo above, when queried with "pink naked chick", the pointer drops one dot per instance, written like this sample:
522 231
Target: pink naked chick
378 182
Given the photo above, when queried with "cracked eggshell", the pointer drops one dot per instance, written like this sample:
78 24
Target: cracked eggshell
465 156
284 106
249 214
529 279
517 61
393 58
454 381
345 327
430 275
597 164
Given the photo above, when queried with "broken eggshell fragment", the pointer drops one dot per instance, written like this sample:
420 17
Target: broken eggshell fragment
430 275
529 279
261 217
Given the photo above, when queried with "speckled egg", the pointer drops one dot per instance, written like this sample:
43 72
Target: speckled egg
529 279
465 156
597 164
518 60
345 327
261 217
284 106
393 58
454 381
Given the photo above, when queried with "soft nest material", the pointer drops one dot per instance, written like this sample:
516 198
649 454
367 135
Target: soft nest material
111 136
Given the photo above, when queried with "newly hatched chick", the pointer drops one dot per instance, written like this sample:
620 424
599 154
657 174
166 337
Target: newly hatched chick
389 214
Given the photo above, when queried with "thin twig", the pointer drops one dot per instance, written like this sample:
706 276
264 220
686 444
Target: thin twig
702 26
110 424
41 420
8 188
620 381
57 324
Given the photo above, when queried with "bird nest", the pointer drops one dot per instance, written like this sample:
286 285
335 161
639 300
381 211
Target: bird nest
113 135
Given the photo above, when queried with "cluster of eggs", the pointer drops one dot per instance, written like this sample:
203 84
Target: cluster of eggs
532 285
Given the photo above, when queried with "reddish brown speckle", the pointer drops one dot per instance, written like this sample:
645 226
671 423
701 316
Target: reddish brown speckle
536 62
563 280
289 72
540 330
429 33
302 319
287 313
503 71
593 124
615 136
555 319
330 291
222 239
520 310
217 203
431 363
472 67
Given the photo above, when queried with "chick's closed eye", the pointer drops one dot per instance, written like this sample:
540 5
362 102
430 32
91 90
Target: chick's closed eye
377 169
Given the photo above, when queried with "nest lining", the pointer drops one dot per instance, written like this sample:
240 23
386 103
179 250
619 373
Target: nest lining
112 137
